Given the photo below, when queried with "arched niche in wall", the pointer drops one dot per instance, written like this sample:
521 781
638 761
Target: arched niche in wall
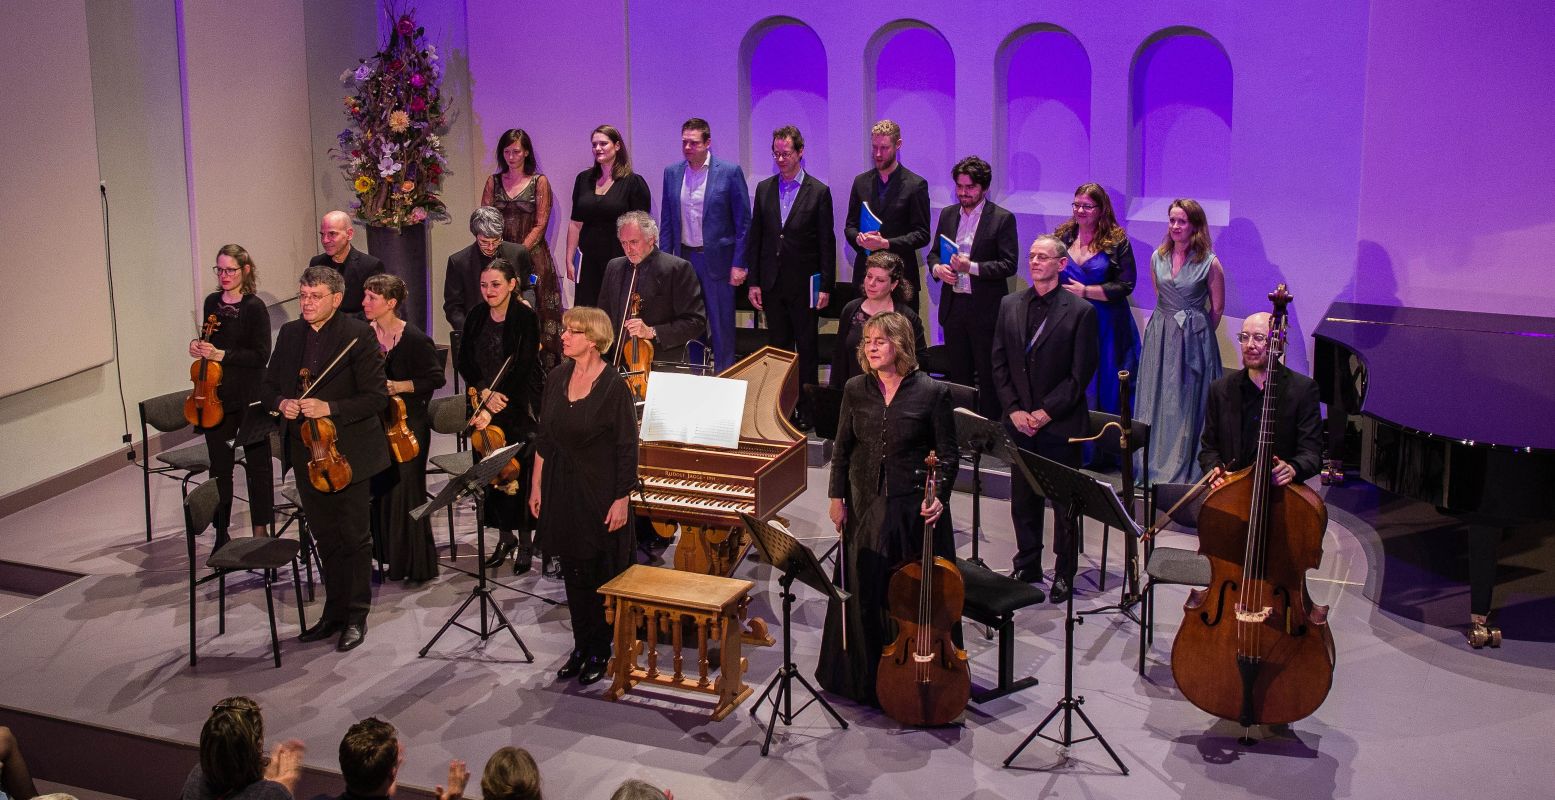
1042 120
782 82
1180 115
910 79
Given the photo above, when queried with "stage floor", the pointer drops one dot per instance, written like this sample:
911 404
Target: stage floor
1413 711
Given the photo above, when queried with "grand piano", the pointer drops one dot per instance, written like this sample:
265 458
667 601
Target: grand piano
1455 411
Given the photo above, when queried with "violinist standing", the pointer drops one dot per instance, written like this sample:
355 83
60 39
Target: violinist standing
410 363
352 395
241 345
506 327
892 416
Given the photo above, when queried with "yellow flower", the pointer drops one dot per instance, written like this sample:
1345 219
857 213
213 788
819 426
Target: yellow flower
399 121
364 184
407 186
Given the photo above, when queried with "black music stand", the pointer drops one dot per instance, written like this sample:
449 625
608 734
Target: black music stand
784 552
1130 595
473 482
1085 497
978 435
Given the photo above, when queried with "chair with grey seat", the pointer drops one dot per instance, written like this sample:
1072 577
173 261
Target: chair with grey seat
447 415
166 414
1170 565
261 554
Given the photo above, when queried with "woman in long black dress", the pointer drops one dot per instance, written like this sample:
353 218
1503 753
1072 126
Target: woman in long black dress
885 289
241 345
892 416
410 362
506 328
585 465
600 194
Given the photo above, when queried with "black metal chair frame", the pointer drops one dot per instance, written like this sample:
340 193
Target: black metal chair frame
1139 442
166 403
1164 495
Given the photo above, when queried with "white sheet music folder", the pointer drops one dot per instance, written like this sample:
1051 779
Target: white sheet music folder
694 409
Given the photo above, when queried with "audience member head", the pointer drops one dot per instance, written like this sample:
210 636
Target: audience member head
233 256
638 234
232 746
370 757
886 344
634 789
511 773
1188 227
335 232
515 151
1092 208
884 269
610 151
588 323
383 294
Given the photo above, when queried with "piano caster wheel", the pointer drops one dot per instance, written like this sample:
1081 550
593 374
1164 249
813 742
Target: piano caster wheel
1481 633
1332 474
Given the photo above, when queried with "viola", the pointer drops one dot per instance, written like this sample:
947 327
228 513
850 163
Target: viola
1252 646
635 355
923 678
487 440
203 406
328 470
403 446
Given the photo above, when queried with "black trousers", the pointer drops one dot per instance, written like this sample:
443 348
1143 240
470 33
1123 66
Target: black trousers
257 469
969 347
791 325
1026 509
582 576
339 523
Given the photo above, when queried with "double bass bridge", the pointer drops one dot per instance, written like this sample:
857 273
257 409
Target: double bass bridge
1260 616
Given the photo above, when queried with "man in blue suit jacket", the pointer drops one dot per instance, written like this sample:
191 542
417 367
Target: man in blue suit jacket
703 217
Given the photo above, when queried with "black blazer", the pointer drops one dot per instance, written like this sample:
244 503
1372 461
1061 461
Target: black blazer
358 267
672 301
245 340
1297 424
995 248
462 280
880 449
1066 355
355 390
904 219
784 255
524 378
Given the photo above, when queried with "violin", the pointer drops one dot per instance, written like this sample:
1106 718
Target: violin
328 470
923 678
492 438
403 446
635 355
203 406
1252 646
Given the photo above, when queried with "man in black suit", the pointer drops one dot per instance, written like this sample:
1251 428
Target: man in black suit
1044 354
1231 418
351 394
335 233
462 280
790 239
975 278
672 311
899 197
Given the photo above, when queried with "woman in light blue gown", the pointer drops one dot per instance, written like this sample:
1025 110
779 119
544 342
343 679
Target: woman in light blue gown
1180 356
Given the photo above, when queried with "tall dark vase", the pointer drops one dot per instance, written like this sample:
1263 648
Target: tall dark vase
404 253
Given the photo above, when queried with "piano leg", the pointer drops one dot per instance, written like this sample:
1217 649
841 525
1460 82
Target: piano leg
1484 547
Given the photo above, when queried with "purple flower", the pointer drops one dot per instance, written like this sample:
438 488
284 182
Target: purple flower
363 73
418 81
395 66
406 27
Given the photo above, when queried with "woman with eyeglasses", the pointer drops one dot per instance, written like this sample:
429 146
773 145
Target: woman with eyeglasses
241 345
584 468
233 764
410 363
1101 270
505 329
1180 357
523 194
600 195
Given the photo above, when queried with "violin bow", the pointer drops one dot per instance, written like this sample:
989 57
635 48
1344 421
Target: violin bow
501 371
631 288
322 375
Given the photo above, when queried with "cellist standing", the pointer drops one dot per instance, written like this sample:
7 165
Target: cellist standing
240 343
349 387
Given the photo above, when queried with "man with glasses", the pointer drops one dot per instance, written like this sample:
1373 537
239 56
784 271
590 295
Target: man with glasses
462 280
790 239
1235 409
350 389
1044 355
335 234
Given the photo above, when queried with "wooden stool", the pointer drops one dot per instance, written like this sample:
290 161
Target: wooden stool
661 600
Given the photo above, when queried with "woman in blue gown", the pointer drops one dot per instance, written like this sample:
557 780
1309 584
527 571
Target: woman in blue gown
1180 356
1101 270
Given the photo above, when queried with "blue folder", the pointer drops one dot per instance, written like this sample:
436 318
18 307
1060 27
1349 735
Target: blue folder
867 221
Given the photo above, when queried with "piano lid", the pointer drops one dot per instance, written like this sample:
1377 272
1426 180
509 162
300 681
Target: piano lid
1464 375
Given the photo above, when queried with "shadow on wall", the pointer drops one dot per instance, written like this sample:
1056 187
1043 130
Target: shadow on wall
1250 278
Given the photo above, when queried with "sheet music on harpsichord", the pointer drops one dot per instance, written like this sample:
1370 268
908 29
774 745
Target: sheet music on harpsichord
694 409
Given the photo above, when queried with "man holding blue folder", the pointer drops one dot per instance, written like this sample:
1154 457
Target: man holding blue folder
898 215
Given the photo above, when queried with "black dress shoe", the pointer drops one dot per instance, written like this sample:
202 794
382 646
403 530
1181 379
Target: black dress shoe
593 670
1032 575
573 666
523 560
500 554
321 631
352 637
551 567
1060 591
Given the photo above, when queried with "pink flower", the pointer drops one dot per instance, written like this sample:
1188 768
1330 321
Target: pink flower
395 66
418 215
406 27
418 81
418 103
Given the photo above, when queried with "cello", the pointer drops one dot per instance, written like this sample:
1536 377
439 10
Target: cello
923 678
203 406
1252 646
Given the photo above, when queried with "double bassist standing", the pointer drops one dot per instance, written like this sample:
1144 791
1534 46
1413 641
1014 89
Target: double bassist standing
348 387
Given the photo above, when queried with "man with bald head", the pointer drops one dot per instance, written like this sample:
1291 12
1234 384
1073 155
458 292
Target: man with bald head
1232 417
335 232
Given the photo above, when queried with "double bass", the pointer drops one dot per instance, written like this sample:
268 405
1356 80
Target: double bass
1252 646
203 406
923 678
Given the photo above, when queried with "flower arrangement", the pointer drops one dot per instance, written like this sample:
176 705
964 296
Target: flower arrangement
391 153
